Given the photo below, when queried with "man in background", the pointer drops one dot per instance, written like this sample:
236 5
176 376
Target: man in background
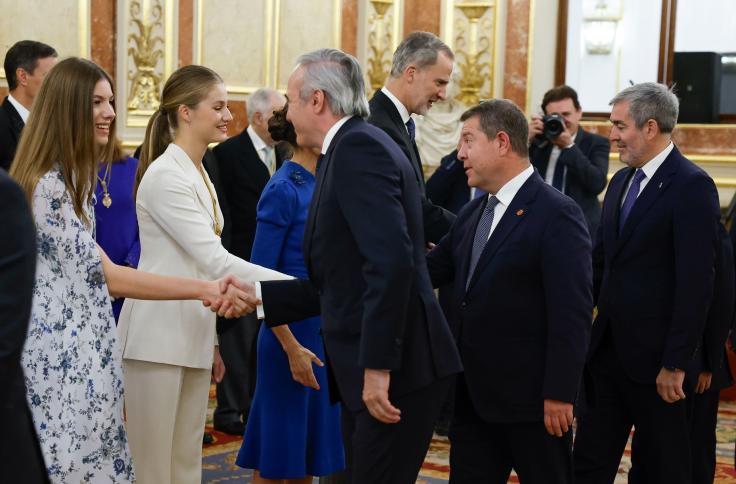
572 160
26 64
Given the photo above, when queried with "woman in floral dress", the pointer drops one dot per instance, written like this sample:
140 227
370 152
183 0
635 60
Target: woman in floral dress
71 360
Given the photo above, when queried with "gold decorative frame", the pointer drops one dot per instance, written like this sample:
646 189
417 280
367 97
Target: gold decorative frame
271 42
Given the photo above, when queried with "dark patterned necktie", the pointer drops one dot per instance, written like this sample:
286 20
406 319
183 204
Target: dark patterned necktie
631 196
481 235
412 129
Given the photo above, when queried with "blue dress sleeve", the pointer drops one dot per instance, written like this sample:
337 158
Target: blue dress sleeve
276 210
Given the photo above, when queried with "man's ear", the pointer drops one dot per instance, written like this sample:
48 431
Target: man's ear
504 142
21 76
651 129
318 101
410 73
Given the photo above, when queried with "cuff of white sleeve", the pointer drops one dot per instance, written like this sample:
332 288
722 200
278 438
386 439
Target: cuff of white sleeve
260 314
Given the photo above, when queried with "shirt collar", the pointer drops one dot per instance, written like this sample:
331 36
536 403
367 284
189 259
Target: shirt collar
258 143
650 167
332 132
507 192
24 113
403 112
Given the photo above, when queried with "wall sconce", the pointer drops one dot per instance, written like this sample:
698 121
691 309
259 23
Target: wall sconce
599 30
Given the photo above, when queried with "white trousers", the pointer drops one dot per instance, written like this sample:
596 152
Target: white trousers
166 409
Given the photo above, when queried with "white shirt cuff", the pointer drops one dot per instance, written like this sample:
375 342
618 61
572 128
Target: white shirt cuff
260 314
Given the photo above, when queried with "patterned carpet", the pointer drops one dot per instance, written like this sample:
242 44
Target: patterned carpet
219 457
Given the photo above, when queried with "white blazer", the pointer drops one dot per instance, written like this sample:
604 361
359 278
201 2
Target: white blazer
175 221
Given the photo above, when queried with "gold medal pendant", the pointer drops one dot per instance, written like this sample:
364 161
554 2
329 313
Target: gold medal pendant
107 200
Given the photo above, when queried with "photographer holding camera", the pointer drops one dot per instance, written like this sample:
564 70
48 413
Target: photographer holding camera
567 157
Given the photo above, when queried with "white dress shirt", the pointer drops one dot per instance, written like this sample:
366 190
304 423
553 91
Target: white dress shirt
506 194
649 168
549 175
265 152
24 113
403 112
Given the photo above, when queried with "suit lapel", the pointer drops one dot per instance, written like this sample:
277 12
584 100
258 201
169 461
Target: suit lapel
514 214
651 193
466 243
616 192
322 167
251 162
410 147
200 183
16 121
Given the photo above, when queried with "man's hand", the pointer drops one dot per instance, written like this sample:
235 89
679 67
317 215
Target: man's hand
232 297
375 396
704 380
300 363
218 366
557 417
669 385
564 139
536 127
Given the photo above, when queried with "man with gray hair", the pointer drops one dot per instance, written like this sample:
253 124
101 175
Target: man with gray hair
653 269
420 72
389 347
244 164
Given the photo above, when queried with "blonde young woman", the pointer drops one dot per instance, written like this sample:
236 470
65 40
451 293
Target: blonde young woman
169 346
72 361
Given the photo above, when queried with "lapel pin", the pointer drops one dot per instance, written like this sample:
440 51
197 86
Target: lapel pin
660 185
520 212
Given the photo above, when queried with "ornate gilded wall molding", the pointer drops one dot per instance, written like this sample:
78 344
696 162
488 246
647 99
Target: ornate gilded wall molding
146 47
382 41
474 31
146 53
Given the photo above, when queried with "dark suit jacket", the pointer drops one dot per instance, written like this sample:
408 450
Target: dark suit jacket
523 323
242 178
365 252
654 281
720 315
384 115
11 124
448 185
20 455
587 171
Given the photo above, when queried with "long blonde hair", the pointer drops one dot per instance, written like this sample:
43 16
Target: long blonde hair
187 86
60 129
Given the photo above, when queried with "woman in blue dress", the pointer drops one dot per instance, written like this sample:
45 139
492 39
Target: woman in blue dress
116 222
293 430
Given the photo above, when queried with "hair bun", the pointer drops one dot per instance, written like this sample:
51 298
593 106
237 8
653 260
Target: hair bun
280 128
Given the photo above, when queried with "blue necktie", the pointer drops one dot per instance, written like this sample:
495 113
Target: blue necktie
411 128
481 235
630 198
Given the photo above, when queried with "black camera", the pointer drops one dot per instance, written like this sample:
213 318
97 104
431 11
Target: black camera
554 125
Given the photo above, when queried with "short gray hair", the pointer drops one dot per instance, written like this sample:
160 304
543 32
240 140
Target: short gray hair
650 100
261 102
420 49
339 76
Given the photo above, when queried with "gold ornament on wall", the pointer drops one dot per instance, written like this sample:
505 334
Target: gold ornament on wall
379 44
473 50
146 51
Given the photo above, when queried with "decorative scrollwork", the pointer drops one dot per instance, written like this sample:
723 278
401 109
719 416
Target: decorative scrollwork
473 50
146 49
379 44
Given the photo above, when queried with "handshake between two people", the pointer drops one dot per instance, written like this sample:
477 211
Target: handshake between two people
230 297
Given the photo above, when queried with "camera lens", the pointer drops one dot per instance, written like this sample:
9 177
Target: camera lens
554 125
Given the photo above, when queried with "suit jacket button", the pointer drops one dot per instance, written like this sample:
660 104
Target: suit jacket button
398 341
463 304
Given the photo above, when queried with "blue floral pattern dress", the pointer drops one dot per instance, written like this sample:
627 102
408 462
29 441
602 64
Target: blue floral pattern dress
71 359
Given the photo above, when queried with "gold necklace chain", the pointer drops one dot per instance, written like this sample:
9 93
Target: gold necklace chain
106 198
217 228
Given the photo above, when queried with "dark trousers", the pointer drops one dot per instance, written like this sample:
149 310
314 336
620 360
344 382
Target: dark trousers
703 418
616 403
238 350
21 459
378 453
483 452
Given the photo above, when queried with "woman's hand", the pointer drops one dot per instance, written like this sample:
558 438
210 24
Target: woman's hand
230 297
300 363
218 366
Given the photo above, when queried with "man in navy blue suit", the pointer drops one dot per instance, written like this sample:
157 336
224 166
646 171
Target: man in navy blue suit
520 262
653 279
390 351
